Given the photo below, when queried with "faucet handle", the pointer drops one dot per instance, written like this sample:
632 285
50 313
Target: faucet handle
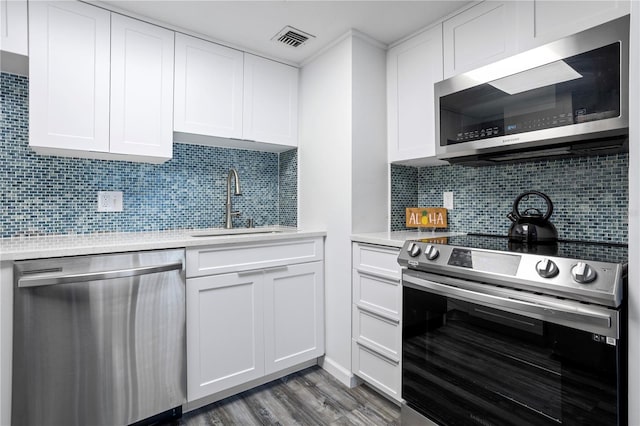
237 213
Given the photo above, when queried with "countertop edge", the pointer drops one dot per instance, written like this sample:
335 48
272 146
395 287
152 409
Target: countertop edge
12 249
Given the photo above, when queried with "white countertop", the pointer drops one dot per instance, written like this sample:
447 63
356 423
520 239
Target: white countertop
20 248
397 238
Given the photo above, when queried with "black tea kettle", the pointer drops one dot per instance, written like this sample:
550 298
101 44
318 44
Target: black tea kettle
531 226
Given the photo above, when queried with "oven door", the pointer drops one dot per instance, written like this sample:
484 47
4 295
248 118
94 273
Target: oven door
477 354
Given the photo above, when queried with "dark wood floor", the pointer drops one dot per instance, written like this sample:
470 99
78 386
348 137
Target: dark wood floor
309 397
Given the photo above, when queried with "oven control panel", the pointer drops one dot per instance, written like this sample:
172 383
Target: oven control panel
591 281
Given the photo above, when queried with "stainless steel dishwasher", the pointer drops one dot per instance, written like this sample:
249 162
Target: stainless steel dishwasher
99 340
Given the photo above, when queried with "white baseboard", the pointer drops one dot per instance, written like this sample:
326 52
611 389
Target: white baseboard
198 403
344 375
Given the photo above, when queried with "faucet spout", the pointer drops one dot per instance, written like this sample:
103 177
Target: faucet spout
233 175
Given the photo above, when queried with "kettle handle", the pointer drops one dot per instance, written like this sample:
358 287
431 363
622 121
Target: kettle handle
547 215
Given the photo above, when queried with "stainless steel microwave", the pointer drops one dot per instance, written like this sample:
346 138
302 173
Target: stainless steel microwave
569 97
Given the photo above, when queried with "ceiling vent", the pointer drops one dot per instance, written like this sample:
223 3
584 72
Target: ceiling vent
292 37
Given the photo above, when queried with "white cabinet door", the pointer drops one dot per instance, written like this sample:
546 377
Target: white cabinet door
208 88
225 338
412 69
270 101
543 21
480 35
13 26
68 76
294 315
141 89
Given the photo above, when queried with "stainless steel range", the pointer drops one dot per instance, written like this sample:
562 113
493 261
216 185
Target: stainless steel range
497 333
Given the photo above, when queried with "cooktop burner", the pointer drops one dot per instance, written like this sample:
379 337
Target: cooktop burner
583 271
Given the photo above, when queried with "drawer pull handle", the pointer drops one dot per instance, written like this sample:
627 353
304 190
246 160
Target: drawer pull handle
378 354
381 275
379 316
260 271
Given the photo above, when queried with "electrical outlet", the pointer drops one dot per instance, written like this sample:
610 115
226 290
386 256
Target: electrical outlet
109 201
447 200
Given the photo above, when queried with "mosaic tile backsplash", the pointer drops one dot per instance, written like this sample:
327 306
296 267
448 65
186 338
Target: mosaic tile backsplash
590 195
288 178
404 193
54 195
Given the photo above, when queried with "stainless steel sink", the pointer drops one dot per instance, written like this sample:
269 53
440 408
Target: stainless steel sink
237 231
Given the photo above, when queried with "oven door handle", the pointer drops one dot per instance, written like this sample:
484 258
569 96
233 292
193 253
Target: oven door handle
578 317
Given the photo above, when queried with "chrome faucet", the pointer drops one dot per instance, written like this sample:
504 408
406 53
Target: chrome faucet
233 173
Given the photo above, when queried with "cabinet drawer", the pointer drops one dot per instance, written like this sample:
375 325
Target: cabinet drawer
376 370
380 295
244 257
382 334
377 260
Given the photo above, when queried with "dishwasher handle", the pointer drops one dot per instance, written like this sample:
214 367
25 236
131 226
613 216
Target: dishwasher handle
37 281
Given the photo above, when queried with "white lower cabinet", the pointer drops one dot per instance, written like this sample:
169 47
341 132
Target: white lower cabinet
225 340
376 354
244 325
293 315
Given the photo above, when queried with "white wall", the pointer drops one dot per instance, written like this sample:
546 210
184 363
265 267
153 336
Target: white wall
634 217
342 171
324 188
369 140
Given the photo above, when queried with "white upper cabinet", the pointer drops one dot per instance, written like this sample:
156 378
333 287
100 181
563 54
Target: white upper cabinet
412 69
270 101
208 89
225 93
480 35
68 76
100 84
141 88
493 30
13 26
543 21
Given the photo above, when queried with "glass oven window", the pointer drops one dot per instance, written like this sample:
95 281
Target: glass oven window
468 364
579 89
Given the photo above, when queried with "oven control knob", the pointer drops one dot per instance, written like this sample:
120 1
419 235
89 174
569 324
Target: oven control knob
583 273
431 252
547 268
413 249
